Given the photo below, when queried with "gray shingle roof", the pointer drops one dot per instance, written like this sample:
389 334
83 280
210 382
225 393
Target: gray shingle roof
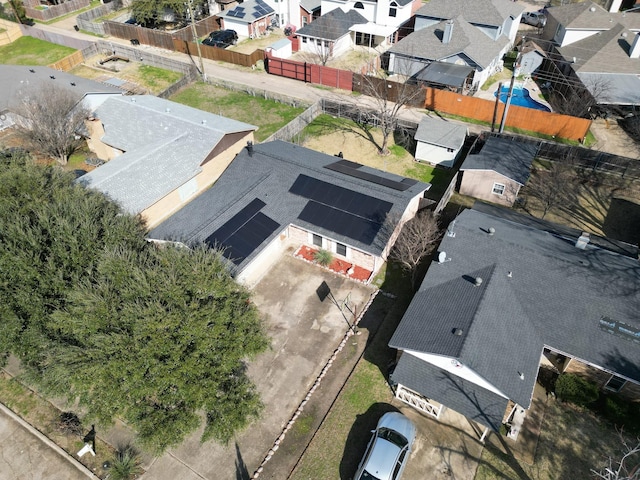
444 73
467 398
267 174
17 80
441 132
591 16
248 11
310 5
506 157
543 291
481 12
466 40
165 144
332 25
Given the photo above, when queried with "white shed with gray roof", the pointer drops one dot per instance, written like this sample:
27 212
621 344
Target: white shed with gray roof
439 141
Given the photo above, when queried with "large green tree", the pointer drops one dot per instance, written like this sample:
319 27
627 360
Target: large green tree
156 336
152 12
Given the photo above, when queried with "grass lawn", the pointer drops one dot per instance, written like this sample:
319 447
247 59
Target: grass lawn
572 442
268 115
332 135
32 51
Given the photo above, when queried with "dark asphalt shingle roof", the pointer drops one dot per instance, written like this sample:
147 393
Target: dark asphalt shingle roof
471 400
268 174
543 291
481 12
591 16
467 41
508 158
332 25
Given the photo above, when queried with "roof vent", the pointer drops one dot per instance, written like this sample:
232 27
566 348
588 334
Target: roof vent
592 9
478 281
133 99
250 147
457 332
52 77
582 241
448 31
491 231
204 122
521 375
510 274
167 110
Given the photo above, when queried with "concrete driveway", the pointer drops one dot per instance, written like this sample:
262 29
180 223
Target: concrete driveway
304 332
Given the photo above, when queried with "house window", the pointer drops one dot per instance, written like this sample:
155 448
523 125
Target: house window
615 383
304 39
318 42
359 5
317 240
304 21
498 189
341 249
393 9
449 150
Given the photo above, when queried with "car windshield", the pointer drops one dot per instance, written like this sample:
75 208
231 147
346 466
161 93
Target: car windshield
393 437
367 476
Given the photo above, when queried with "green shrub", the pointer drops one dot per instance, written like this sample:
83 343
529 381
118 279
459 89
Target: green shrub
125 465
571 388
323 257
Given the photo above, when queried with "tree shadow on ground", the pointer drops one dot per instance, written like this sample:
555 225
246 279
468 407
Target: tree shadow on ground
326 124
242 472
359 437
623 221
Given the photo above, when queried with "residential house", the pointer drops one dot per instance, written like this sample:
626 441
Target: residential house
596 49
277 195
249 19
330 35
451 31
498 171
160 153
309 11
504 298
439 141
20 81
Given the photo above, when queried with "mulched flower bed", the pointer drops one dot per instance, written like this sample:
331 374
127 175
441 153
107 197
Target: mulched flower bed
339 266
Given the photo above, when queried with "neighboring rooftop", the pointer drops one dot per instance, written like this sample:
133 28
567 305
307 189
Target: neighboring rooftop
332 25
537 290
16 81
441 132
591 16
509 158
466 40
165 144
271 185
248 12
482 12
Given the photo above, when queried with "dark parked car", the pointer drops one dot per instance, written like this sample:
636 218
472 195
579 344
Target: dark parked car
537 19
221 39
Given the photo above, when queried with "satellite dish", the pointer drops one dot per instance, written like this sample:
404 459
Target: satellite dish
442 257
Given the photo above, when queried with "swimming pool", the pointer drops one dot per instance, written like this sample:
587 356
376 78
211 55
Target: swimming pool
521 98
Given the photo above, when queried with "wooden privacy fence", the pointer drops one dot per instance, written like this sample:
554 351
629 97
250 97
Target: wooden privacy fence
221 54
553 124
308 72
68 62
411 95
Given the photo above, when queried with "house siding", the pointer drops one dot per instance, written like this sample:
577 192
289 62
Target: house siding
479 184
630 391
435 155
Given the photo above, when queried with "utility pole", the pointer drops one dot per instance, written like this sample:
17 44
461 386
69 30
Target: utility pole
195 39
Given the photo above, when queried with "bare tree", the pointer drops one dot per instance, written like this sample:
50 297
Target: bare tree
550 187
626 468
416 241
50 120
580 101
385 101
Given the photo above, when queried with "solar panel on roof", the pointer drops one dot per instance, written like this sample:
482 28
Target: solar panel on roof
256 15
340 198
353 170
243 233
340 222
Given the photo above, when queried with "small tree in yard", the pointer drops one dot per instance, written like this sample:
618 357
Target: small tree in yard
49 121
416 241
